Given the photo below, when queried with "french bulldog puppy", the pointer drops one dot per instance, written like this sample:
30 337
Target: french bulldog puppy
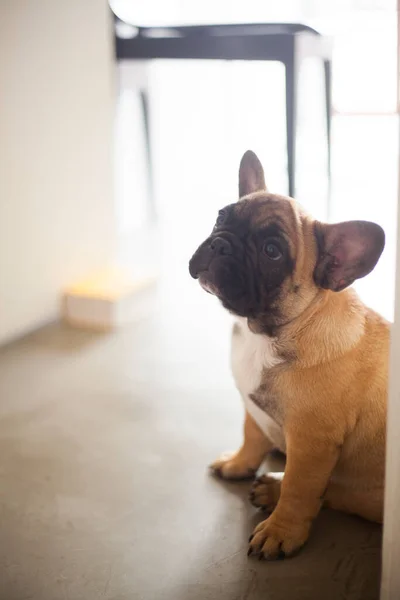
310 360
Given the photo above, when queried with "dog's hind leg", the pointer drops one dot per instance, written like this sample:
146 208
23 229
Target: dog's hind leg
366 503
266 490
265 493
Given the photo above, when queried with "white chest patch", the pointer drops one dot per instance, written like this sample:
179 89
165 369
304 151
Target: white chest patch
251 355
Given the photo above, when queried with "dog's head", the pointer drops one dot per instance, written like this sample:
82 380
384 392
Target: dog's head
266 259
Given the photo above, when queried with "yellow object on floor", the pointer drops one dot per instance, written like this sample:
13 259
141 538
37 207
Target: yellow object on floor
106 300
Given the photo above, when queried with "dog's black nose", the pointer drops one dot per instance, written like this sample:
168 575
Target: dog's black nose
220 246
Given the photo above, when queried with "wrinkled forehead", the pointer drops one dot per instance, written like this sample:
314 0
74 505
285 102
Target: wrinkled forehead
263 212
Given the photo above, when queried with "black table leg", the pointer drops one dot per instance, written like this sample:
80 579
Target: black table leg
291 100
145 108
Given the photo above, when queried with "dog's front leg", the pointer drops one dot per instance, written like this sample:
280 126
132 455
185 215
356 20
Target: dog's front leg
244 463
310 461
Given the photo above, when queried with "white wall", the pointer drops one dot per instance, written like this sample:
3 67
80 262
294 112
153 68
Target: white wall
56 153
391 533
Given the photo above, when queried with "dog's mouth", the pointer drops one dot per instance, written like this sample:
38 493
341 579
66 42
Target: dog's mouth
219 276
204 268
207 284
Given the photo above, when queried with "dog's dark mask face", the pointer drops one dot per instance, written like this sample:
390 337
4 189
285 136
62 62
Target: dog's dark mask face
249 256
246 259
266 259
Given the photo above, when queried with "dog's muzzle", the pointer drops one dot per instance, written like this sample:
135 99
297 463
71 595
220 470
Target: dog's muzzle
206 253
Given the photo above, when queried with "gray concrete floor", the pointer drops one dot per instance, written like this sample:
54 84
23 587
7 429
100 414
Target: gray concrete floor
104 443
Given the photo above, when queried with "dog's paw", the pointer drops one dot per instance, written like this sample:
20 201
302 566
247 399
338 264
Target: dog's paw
273 539
265 492
230 466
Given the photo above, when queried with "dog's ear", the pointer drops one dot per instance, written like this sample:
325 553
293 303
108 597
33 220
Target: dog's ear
347 251
251 174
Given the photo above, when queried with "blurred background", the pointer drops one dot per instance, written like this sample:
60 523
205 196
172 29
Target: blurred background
204 114
104 437
75 184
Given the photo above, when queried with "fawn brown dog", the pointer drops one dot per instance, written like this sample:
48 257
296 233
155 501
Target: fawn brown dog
308 357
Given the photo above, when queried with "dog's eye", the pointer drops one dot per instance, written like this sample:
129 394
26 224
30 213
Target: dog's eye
272 251
221 218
